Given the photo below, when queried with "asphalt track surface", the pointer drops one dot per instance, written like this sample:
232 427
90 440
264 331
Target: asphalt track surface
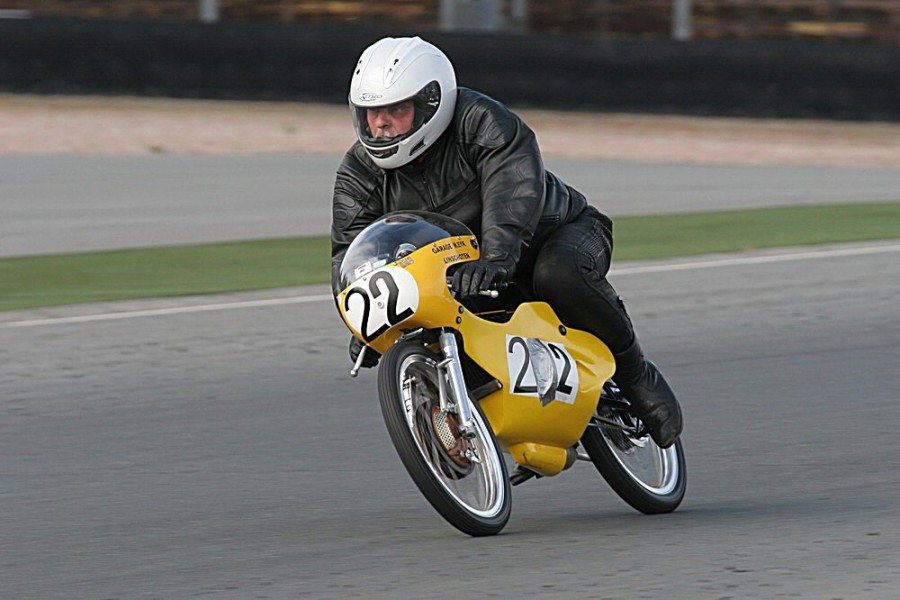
66 203
155 451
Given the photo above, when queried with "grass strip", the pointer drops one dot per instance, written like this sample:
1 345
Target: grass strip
646 237
35 281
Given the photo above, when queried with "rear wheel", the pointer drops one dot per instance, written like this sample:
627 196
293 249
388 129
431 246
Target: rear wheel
649 478
465 480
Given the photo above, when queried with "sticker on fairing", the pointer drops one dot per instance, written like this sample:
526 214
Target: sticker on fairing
380 300
367 267
523 381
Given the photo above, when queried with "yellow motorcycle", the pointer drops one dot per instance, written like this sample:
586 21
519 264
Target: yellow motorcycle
463 388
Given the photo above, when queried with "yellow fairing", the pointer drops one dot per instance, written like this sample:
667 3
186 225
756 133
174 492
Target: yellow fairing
427 266
537 435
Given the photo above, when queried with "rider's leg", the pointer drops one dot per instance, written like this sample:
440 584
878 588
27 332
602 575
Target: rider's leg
570 274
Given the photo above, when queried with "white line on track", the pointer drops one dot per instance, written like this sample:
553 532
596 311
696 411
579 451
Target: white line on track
173 310
757 260
616 272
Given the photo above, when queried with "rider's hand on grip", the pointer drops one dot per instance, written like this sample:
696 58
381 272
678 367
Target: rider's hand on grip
471 279
371 357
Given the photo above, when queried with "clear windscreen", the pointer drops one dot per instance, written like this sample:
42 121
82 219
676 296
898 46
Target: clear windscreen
392 237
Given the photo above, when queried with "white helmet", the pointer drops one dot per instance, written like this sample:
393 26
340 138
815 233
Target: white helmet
393 70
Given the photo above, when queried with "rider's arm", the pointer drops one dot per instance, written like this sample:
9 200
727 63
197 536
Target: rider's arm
511 172
356 203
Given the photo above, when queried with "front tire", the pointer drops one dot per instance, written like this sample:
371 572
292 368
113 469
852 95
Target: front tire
471 489
650 479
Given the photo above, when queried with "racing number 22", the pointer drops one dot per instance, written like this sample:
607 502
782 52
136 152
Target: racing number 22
391 317
563 387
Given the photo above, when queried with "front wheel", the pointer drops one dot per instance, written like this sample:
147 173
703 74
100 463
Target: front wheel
649 478
465 480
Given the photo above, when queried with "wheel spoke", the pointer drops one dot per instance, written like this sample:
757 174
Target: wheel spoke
478 485
626 448
649 465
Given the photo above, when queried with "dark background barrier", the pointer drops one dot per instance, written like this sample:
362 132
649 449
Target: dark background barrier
271 61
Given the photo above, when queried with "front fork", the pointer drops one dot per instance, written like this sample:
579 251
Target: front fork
456 399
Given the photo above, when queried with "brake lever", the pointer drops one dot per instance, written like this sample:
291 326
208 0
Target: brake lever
494 293
486 293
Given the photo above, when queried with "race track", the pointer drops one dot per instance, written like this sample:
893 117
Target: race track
226 453
70 203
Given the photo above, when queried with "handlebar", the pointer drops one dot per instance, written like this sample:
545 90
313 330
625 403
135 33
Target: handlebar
487 293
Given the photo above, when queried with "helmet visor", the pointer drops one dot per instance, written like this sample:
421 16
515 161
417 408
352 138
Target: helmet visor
424 105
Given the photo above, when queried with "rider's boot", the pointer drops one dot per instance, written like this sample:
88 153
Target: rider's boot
650 396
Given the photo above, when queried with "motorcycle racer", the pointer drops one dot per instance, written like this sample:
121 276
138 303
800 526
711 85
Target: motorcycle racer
423 143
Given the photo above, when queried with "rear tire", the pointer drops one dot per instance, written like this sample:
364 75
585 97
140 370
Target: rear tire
473 495
650 479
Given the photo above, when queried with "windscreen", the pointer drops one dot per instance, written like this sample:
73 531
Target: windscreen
392 237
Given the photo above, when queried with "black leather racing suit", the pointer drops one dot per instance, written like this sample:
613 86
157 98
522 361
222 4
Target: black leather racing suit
486 171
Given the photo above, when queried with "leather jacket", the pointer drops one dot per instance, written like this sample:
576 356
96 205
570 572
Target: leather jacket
484 170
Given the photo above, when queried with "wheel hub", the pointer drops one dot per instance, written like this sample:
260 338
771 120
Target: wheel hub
446 429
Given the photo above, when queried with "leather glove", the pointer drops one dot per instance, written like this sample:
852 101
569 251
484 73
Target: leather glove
471 278
356 347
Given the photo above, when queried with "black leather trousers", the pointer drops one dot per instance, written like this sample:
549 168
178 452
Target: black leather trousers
569 273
